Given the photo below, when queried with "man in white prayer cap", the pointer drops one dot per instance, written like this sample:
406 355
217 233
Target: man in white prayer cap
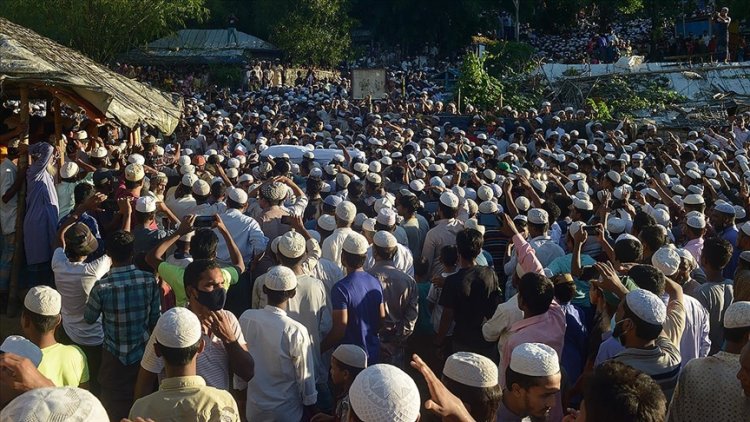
183 395
384 393
347 361
532 384
473 379
331 247
284 381
54 403
708 388
444 233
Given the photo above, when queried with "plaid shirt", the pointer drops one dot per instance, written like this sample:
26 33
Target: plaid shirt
128 300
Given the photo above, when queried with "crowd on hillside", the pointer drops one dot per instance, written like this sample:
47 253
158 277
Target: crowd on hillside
292 253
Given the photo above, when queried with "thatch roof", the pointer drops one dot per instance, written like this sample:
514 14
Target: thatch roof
27 58
202 46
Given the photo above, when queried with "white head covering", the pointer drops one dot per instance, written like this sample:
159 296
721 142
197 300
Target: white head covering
647 306
535 360
737 315
178 328
666 260
352 355
471 369
69 404
346 211
384 393
280 279
43 300
355 244
292 245
384 239
145 204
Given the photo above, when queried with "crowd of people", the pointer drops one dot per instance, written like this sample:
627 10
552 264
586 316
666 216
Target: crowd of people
292 253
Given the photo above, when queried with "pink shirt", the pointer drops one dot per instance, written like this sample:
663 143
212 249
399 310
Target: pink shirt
527 257
695 247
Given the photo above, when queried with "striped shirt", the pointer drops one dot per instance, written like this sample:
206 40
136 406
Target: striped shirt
128 300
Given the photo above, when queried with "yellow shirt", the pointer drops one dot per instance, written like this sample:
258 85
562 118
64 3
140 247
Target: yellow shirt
64 365
186 399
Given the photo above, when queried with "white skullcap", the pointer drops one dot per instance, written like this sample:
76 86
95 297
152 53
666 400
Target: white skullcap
474 225
355 244
459 191
134 172
189 180
346 211
351 355
316 172
369 225
244 177
69 404
359 219
745 228
522 203
384 239
661 216
386 216
416 185
98 152
449 199
737 315
43 300
178 328
485 193
616 225
471 369
23 347
136 159
627 236
647 306
232 173
696 220
201 188
68 170
280 279
183 160
666 260
327 222
384 393
488 207
575 227
583 204
145 204
382 203
292 245
489 175
237 195
187 169
538 216
534 360
725 208
374 178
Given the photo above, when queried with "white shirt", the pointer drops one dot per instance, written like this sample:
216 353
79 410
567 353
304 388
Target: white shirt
546 249
212 363
284 381
328 272
74 281
310 307
180 207
402 260
246 233
206 209
8 172
331 248
497 328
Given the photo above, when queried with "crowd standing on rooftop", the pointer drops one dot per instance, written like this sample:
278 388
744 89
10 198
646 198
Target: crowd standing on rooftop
292 253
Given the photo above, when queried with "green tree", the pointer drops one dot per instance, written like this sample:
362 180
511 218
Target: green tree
315 32
476 86
102 29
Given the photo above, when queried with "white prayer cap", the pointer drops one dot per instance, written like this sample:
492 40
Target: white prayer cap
489 175
737 315
145 204
485 193
471 369
694 199
459 191
98 152
43 300
355 244
416 185
382 203
575 227
745 228
245 178
646 306
327 222
627 236
522 203
70 404
661 216
187 169
374 168
346 211
189 180
384 239
292 245
183 160
233 163
386 216
374 178
538 216
136 159
232 173
81 135
725 208
237 195
666 260
583 204
488 207
696 220
178 328
616 225
474 225
134 172
23 347
614 176
534 360
68 170
449 199
201 188
369 225
384 393
280 279
316 172
351 355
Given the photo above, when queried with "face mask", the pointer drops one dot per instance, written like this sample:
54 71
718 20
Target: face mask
213 300
618 331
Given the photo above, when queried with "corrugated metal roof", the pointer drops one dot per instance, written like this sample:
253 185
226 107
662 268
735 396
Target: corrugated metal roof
210 39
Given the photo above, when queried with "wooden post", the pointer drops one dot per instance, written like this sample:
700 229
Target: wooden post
19 257
58 123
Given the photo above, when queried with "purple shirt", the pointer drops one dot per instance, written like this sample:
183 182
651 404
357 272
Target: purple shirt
40 223
361 295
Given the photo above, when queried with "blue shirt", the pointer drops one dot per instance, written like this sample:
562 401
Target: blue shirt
563 265
575 347
730 234
128 300
361 295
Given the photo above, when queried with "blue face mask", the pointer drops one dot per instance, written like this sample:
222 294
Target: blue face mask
213 300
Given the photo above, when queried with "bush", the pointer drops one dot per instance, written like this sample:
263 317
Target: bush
476 85
227 76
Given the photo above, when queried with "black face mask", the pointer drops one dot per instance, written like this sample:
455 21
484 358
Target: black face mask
213 300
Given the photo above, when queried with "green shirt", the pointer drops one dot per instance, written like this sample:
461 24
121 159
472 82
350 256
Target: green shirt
65 366
173 275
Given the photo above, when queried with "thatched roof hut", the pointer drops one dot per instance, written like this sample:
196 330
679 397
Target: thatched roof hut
50 70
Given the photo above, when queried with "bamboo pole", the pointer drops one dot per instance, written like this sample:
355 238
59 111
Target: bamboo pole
19 257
